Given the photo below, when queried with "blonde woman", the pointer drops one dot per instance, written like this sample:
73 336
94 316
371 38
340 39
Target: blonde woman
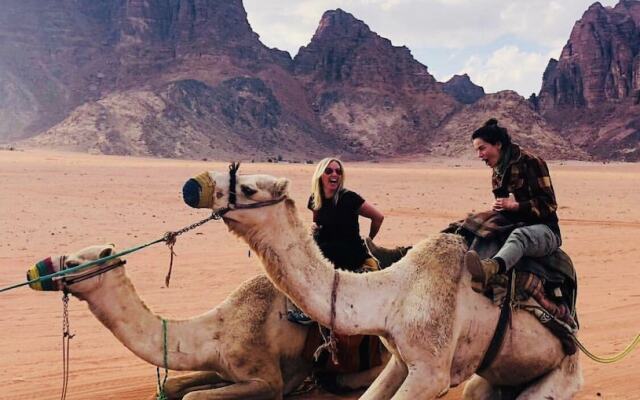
336 211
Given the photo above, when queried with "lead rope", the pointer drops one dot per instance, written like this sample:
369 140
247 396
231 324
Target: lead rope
608 360
161 395
66 337
170 239
602 360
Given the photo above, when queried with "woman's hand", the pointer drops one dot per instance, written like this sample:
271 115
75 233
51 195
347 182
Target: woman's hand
376 217
506 204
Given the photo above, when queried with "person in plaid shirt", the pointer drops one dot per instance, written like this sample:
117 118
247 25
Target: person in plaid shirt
524 193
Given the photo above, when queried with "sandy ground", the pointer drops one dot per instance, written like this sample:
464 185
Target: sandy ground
56 202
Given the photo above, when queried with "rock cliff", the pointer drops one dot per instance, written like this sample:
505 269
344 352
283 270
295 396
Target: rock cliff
591 93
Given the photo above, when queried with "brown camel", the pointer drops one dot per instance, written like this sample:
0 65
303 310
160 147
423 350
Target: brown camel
422 307
245 347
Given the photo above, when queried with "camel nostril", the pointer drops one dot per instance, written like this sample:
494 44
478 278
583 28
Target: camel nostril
191 193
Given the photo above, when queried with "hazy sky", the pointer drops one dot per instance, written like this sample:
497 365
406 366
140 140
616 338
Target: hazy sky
501 44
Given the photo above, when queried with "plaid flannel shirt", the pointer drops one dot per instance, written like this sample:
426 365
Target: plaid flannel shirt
530 183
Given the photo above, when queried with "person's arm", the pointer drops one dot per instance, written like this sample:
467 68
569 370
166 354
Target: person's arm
376 217
543 203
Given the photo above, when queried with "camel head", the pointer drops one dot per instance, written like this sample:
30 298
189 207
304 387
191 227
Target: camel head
235 204
81 281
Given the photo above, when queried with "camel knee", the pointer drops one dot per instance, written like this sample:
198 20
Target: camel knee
426 383
388 382
177 387
478 388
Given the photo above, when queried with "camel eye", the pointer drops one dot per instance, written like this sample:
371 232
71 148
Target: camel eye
71 264
248 191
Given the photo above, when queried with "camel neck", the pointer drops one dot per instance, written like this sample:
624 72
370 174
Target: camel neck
295 264
117 305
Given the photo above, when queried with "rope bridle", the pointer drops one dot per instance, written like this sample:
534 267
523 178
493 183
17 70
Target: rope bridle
232 202
68 280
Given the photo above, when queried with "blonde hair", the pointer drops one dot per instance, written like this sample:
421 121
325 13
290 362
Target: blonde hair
316 182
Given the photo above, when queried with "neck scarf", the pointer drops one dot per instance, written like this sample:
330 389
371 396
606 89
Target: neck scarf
505 158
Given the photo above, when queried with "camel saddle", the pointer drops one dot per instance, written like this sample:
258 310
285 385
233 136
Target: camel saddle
550 280
486 232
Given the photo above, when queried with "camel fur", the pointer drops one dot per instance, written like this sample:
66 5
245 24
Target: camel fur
422 307
244 348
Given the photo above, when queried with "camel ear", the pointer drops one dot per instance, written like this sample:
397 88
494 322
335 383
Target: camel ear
281 188
106 252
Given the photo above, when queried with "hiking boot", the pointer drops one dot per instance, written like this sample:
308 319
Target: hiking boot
481 270
298 317
385 256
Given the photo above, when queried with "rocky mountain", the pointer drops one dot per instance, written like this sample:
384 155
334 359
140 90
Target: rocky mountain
462 89
240 117
371 96
526 127
591 94
68 59
190 79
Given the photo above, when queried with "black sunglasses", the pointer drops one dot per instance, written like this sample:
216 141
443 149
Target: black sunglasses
329 171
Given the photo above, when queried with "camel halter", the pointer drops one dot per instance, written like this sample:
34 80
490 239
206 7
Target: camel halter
232 204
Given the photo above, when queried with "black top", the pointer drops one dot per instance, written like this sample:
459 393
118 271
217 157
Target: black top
339 232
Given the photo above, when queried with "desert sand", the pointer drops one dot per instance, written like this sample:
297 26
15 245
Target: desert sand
51 203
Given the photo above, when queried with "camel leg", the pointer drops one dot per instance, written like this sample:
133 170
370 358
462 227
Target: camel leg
178 386
247 390
363 379
357 380
478 388
424 382
388 381
560 384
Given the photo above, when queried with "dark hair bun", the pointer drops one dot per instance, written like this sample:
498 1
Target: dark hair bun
491 121
490 132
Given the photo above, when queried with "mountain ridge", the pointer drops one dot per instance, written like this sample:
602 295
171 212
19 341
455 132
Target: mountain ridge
203 85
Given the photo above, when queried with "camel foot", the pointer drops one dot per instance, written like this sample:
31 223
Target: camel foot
248 390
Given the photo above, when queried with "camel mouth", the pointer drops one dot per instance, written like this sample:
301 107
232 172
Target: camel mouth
198 191
42 268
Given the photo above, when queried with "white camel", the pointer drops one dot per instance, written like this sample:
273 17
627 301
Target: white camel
422 307
245 347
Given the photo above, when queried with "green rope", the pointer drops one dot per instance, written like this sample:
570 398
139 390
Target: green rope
169 238
82 266
161 395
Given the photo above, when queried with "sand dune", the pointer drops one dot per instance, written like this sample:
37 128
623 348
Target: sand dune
56 202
